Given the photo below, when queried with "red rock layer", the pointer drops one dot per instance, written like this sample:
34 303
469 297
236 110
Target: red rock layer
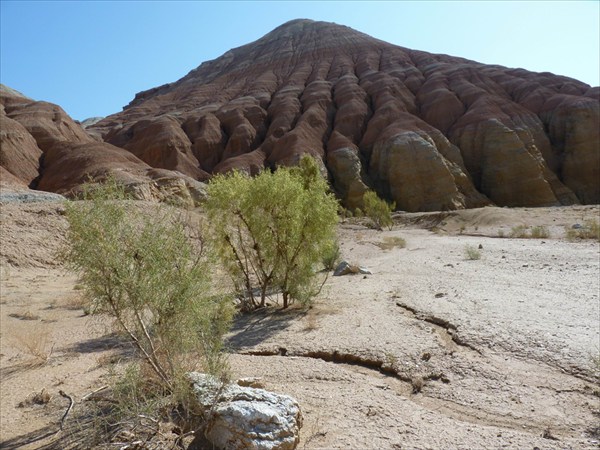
42 147
427 131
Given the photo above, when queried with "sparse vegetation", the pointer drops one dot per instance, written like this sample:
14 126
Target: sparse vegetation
37 398
525 232
519 231
589 230
378 210
417 384
539 232
389 242
145 271
272 230
27 315
472 253
35 342
331 256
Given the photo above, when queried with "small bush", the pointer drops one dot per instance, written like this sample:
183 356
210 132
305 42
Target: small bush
589 230
378 210
519 231
472 253
271 231
35 342
389 242
142 269
523 232
539 232
331 256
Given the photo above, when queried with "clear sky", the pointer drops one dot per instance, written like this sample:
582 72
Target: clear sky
91 58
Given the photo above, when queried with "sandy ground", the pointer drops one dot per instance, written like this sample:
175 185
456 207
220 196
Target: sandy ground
430 351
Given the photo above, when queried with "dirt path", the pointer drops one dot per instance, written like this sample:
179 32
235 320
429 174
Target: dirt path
430 351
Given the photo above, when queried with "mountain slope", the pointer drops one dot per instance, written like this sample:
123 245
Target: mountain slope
430 132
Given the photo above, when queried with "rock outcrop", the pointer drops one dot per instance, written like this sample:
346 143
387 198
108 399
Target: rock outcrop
430 132
246 417
43 148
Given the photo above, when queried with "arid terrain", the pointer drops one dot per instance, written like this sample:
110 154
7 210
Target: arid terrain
433 350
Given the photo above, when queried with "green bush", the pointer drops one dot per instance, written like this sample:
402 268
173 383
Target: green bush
272 230
331 256
141 268
378 210
519 231
523 232
539 232
472 253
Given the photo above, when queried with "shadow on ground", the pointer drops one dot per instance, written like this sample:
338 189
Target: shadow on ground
107 342
251 329
29 438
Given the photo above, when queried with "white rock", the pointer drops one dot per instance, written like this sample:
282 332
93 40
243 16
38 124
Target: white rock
248 418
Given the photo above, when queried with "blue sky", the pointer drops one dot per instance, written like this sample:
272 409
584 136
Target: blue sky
91 58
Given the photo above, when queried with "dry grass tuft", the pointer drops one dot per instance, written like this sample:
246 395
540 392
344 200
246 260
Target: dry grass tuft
589 230
525 232
37 398
73 302
472 253
27 315
36 343
389 242
417 384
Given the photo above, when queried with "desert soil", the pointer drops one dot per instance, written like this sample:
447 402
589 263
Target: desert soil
432 350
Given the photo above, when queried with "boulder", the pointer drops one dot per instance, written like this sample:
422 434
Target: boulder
247 418
345 268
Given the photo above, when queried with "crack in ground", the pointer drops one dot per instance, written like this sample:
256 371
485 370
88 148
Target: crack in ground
443 325
345 358
447 407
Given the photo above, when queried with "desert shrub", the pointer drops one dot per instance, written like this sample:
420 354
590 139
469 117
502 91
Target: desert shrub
271 231
589 230
539 232
523 232
142 269
331 255
389 242
378 210
472 253
518 231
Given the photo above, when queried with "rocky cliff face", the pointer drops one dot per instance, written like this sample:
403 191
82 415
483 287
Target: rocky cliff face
430 132
43 148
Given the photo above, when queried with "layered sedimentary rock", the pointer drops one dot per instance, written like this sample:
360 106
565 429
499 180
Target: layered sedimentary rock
43 148
427 131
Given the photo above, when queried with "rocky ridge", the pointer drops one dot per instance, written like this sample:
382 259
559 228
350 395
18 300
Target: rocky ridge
431 132
43 148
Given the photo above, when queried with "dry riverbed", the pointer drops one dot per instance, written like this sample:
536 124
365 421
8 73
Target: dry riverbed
433 350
